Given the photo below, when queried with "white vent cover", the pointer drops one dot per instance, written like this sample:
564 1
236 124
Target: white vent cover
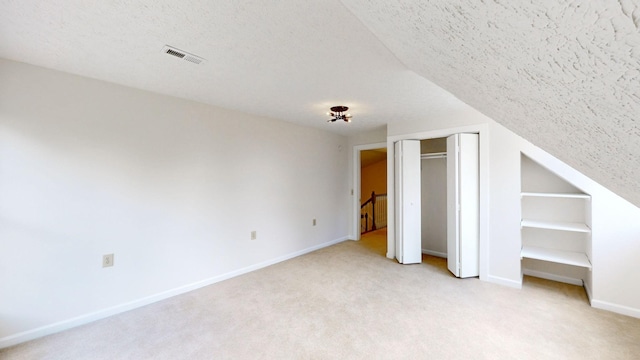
182 55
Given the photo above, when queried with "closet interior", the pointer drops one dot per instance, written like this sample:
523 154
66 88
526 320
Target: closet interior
437 201
433 161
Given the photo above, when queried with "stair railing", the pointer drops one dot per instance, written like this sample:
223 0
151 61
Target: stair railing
374 209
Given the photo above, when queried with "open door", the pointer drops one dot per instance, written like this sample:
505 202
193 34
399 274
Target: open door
463 205
407 206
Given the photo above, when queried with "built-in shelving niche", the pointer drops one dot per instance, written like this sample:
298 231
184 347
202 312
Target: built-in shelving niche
556 226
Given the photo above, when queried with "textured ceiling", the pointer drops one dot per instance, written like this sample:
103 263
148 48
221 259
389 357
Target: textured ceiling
290 60
564 75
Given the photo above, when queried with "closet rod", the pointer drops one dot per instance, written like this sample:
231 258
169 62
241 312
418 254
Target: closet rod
433 155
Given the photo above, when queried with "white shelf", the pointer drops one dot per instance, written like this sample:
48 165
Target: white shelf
556 225
557 256
556 195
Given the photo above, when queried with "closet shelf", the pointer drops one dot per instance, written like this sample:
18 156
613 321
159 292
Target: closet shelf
557 256
555 195
556 225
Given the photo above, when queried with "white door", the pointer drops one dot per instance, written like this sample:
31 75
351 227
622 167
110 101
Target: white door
463 201
407 202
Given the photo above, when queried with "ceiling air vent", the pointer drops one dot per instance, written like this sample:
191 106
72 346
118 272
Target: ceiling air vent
182 55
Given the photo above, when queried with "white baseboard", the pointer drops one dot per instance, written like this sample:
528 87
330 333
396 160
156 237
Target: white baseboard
587 289
434 253
502 281
620 309
101 314
554 277
598 304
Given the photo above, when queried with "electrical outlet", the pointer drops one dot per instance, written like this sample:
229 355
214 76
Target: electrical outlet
253 235
314 222
107 260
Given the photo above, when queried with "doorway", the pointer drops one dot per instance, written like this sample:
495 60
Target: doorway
483 209
462 202
369 192
373 190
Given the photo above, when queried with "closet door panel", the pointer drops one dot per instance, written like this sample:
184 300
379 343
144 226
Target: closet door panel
469 206
453 213
407 207
463 205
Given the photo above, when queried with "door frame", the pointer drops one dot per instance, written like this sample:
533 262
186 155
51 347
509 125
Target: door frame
483 137
356 189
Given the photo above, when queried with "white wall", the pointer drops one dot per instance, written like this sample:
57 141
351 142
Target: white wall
173 188
615 221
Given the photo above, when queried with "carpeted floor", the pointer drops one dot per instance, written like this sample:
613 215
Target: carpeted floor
349 301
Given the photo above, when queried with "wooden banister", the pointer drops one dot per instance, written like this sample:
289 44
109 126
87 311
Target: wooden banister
372 203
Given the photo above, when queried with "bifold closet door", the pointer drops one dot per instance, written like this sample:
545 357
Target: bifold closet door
407 202
463 205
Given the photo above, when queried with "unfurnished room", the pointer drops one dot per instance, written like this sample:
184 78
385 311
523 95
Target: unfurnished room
330 179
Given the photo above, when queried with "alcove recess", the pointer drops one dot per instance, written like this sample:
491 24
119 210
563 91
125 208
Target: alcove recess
556 226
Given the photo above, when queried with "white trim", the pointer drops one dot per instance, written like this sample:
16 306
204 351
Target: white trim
620 309
434 134
434 253
587 289
101 314
391 215
355 231
554 277
504 281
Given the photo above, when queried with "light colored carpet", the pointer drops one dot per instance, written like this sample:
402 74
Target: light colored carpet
349 301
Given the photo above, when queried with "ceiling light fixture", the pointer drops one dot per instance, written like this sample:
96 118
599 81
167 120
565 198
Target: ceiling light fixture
338 113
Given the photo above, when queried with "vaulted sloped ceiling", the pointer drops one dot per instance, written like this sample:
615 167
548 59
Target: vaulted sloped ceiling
565 75
562 74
